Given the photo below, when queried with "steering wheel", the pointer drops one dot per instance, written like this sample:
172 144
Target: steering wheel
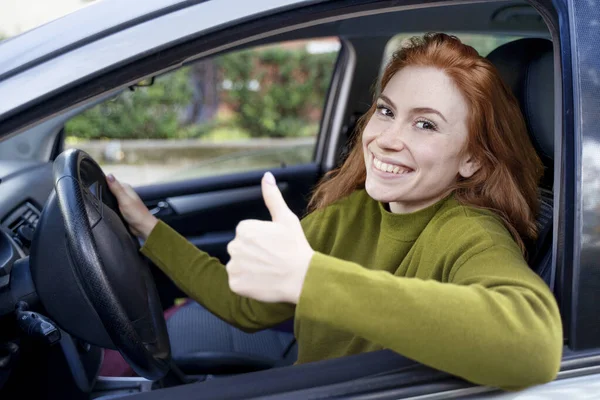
88 271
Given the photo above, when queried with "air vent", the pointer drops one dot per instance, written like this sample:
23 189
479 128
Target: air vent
22 223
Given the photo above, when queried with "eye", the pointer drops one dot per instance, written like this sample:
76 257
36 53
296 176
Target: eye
383 110
425 124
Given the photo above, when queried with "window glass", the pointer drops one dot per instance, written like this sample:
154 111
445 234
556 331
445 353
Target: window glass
252 109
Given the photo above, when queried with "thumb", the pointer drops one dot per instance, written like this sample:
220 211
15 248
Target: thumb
280 212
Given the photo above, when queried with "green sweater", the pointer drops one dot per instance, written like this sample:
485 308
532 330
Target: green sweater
446 286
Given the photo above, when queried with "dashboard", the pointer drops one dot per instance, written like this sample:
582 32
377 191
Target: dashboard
21 224
24 189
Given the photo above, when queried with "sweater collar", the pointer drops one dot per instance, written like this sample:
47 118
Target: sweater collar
408 227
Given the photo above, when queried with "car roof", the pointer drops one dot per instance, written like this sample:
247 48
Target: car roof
102 18
89 23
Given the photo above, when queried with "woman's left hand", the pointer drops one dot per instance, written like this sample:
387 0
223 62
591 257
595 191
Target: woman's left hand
269 259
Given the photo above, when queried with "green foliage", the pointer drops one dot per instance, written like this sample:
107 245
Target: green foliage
274 90
151 112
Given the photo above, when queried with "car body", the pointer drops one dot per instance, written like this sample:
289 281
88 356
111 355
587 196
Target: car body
57 71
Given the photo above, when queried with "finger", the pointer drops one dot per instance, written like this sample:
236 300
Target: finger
234 275
229 268
129 191
115 186
250 227
231 278
279 210
244 227
231 248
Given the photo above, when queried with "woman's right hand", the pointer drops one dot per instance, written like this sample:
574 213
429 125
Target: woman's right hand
140 220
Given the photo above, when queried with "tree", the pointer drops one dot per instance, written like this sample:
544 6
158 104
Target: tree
152 112
275 91
205 100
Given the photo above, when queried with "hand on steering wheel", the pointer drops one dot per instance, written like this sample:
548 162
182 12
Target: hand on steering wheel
134 211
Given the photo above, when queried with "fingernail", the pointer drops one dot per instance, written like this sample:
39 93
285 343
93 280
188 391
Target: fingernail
110 177
269 178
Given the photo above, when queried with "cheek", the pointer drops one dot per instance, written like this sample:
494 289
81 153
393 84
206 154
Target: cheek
441 157
427 154
370 132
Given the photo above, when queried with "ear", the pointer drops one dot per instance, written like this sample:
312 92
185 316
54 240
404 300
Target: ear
468 166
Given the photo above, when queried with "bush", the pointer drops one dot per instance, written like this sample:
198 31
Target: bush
151 112
275 91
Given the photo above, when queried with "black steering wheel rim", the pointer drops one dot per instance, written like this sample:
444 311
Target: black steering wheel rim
89 219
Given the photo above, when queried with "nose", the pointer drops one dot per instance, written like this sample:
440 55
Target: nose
391 139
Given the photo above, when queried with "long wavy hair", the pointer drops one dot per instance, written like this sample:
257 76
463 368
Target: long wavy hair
510 169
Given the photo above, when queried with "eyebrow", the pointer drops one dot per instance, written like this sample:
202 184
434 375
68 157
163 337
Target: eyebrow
416 110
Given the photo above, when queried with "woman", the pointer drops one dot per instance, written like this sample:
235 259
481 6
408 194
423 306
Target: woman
415 244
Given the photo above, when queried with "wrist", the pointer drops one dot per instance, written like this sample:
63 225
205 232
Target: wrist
148 227
300 277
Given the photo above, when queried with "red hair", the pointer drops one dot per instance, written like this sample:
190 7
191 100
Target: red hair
510 169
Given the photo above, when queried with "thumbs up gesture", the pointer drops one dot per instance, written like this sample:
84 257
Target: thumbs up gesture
269 259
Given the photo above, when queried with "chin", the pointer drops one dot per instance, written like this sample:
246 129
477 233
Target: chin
381 194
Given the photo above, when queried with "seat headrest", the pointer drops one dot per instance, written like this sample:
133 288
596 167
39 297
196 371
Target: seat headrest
527 67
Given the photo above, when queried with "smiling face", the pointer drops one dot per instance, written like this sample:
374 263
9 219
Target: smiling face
413 142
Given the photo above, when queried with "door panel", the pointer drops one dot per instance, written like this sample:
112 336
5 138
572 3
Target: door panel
207 211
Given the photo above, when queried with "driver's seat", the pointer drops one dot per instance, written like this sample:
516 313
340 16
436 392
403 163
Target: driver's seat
201 343
527 67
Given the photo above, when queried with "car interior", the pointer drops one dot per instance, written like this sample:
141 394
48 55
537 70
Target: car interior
84 363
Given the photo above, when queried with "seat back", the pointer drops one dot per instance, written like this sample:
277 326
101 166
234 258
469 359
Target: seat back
526 65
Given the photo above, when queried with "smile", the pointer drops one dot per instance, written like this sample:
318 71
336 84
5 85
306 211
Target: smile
389 168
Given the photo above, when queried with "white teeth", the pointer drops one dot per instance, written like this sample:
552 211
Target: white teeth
394 169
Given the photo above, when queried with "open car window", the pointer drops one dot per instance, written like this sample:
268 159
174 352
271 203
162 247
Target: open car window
246 110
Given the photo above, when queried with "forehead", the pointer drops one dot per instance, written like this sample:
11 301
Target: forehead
416 87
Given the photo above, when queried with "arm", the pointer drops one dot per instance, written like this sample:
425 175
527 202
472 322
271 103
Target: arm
205 280
495 323
202 277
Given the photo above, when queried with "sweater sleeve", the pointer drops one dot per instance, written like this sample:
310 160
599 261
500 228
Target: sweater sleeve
204 278
495 323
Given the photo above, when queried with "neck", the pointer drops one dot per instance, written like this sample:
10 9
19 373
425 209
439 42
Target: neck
408 207
411 207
